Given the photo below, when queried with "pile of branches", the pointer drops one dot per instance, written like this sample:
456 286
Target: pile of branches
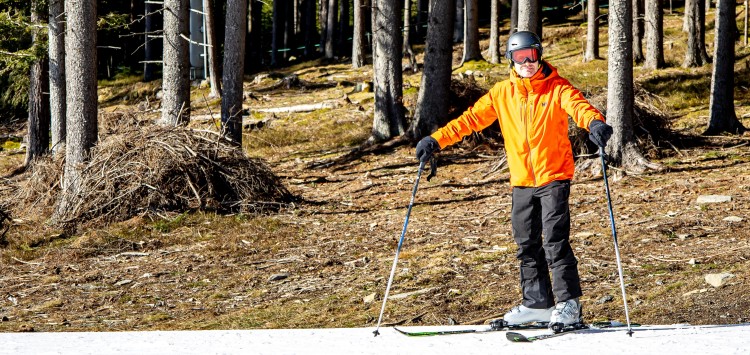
139 169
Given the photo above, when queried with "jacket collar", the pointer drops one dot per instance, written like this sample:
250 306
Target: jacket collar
537 82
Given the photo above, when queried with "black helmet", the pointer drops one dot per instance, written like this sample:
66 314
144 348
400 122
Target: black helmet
523 39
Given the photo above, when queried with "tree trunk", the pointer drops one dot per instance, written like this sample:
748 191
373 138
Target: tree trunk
693 56
323 21
81 111
495 51
253 39
458 25
638 31
38 122
290 34
654 35
422 16
212 49
408 50
344 28
471 31
331 29
722 117
277 31
432 107
592 33
176 77
56 52
388 120
622 146
528 16
358 38
150 48
234 64
702 32
513 17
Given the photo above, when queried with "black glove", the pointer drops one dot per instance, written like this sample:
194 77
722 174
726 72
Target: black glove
426 147
600 133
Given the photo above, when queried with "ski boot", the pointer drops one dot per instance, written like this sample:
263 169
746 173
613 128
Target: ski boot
525 317
567 315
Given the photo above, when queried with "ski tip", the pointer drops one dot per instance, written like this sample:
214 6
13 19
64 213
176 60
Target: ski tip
517 337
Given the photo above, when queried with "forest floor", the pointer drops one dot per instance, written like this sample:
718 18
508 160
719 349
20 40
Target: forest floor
324 261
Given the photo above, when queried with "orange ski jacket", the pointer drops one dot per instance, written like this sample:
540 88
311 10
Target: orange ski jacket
533 116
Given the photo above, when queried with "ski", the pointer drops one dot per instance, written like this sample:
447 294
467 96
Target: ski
496 325
520 338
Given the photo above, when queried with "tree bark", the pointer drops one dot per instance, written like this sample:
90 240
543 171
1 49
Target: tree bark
471 31
458 26
253 43
277 31
38 122
176 69
654 35
722 117
495 51
638 31
331 29
212 49
513 17
432 107
702 32
693 56
82 107
622 146
57 98
422 18
234 64
408 50
343 46
388 120
592 32
359 42
528 16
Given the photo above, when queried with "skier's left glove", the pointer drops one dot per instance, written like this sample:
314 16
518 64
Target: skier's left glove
426 147
600 132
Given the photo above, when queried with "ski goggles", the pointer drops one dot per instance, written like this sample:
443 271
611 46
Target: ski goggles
523 55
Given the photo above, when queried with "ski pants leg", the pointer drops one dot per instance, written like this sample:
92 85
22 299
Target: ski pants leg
538 210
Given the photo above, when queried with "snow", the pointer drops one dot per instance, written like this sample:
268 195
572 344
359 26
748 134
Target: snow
662 340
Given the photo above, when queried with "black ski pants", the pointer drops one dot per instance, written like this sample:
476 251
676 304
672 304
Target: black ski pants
537 211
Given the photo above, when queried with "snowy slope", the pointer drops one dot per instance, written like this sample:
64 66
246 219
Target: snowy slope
662 340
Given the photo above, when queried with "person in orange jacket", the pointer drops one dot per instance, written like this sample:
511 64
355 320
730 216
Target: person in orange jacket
532 108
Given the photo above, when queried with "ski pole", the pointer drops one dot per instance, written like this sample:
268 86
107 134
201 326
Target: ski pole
398 248
614 236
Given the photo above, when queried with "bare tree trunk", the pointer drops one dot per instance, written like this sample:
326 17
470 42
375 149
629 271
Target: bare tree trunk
702 32
722 117
458 26
592 32
234 65
692 54
388 120
150 48
81 112
408 50
746 16
654 35
344 28
471 31
213 49
422 18
513 17
57 98
528 16
176 77
495 51
638 31
277 30
432 107
620 98
331 29
323 21
359 42
38 122
253 39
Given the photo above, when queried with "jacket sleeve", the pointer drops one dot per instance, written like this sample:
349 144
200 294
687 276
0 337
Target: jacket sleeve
577 106
474 119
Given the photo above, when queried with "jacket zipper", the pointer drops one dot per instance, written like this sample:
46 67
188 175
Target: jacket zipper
527 122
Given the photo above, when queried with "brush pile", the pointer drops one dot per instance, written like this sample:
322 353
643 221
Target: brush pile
142 168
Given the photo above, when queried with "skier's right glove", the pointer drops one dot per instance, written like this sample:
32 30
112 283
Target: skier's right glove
426 147
600 133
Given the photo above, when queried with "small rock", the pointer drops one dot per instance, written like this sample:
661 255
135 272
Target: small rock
684 236
278 277
5 319
733 219
693 262
605 299
369 298
718 280
123 282
714 199
686 294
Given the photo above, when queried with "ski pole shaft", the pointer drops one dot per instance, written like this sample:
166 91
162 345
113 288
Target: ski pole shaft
614 236
398 248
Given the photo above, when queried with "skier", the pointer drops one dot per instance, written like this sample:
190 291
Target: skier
532 108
